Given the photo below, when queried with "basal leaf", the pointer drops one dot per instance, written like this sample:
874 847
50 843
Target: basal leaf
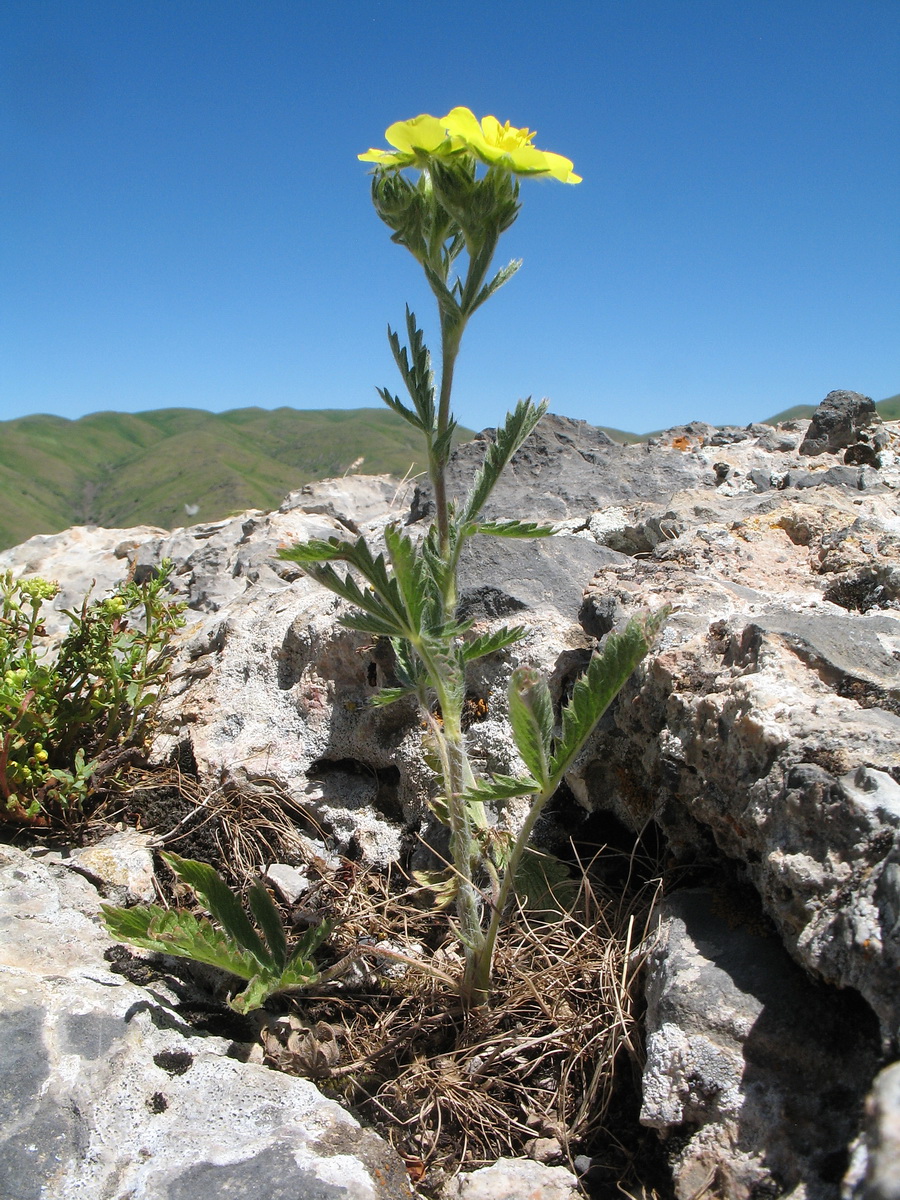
544 883
215 894
443 885
180 933
269 920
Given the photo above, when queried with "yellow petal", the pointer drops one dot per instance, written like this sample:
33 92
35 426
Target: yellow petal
385 158
463 123
423 133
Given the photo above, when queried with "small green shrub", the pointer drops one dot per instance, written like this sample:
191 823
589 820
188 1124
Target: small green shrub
68 721
261 959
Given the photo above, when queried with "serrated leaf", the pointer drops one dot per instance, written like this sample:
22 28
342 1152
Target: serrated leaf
179 933
531 718
390 695
514 529
269 920
503 276
605 677
215 894
508 438
308 945
254 995
543 882
500 787
443 885
490 643
395 403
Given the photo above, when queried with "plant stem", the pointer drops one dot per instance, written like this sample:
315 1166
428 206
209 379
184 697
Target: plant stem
477 979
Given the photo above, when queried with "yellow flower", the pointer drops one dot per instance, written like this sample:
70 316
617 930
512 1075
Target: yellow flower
412 140
507 147
503 146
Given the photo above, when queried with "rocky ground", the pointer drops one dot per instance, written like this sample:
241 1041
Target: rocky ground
759 740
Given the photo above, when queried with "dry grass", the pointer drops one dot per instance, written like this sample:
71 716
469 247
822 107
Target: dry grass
533 1073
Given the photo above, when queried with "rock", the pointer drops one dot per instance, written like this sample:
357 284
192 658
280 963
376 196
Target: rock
843 419
880 1179
762 732
123 864
107 1093
514 1179
759 1071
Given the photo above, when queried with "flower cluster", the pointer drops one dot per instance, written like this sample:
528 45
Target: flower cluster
424 138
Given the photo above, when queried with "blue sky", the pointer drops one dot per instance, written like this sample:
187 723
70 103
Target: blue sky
183 221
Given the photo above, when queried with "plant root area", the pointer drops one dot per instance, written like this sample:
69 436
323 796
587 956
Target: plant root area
550 1069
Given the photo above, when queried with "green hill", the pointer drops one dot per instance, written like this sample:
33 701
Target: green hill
888 410
121 469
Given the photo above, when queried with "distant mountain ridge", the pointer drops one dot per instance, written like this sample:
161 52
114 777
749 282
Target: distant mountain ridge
183 466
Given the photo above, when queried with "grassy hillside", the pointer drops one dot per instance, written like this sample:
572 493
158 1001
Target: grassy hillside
120 469
888 410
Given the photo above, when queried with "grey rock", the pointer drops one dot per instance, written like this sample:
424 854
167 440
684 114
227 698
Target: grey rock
513 1179
838 422
760 1071
879 1178
106 1093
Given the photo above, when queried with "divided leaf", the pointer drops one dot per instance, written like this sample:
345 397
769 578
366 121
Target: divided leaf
514 529
531 717
489 643
180 933
215 894
509 437
600 684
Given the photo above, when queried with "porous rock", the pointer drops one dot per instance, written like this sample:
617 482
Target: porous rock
756 1073
763 730
107 1093
845 420
514 1179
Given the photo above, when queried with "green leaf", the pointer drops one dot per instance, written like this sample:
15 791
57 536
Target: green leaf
489 643
180 933
215 894
531 717
514 529
269 920
500 787
605 677
503 276
519 424
308 945
544 882
390 695
443 885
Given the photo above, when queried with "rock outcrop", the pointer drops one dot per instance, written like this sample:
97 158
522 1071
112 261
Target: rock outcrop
761 737
108 1093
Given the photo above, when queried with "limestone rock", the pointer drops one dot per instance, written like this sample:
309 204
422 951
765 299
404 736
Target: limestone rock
107 1093
759 1072
514 1179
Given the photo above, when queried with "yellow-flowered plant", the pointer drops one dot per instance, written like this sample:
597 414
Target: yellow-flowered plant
452 214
